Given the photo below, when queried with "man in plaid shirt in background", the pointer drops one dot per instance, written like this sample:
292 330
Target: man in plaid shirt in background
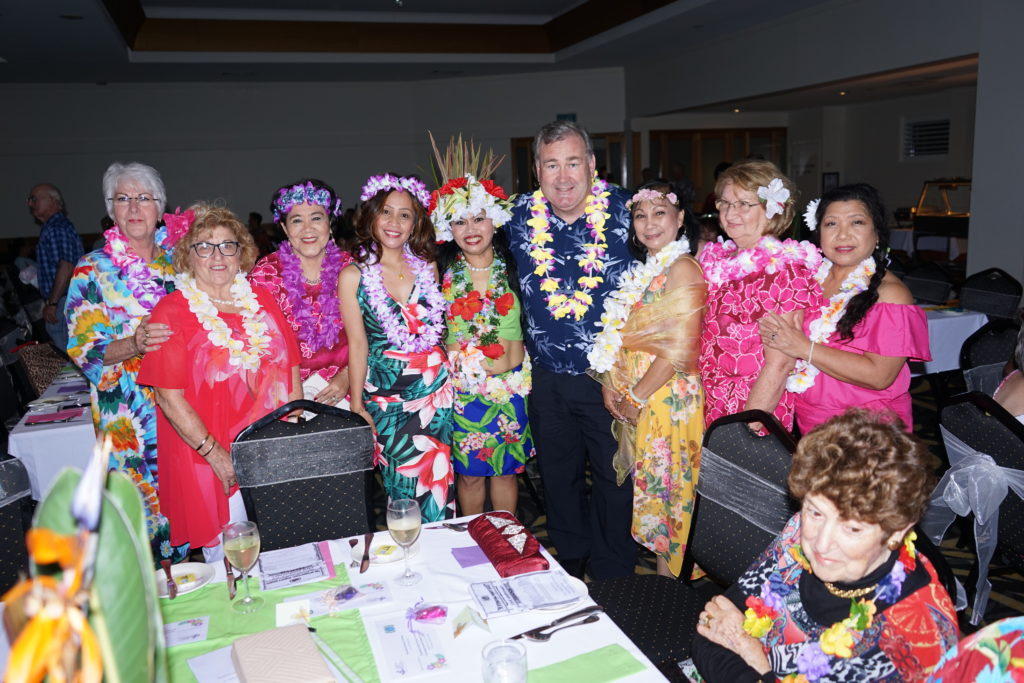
57 252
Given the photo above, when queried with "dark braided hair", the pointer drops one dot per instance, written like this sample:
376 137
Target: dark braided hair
867 195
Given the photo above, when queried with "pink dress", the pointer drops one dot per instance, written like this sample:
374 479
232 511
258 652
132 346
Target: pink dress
887 330
731 354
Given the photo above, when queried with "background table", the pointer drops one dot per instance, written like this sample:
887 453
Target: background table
444 582
947 330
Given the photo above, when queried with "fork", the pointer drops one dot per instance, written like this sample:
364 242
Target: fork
545 637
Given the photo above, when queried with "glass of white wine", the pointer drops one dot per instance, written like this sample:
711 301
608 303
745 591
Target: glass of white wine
242 547
404 524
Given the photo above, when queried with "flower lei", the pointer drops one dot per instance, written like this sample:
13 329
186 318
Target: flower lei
839 640
618 305
463 197
724 261
413 186
317 332
135 271
307 193
408 333
245 354
577 302
802 377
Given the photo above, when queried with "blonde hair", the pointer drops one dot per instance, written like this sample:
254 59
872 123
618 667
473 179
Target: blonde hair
208 218
750 175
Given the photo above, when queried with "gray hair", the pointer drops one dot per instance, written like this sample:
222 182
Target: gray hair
559 130
144 175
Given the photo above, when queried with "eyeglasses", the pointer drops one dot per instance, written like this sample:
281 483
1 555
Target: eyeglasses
740 206
126 200
205 249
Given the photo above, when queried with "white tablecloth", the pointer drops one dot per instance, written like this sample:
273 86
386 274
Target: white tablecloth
902 239
47 449
947 330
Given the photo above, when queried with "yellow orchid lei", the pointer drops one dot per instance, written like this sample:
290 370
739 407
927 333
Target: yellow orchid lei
257 342
562 302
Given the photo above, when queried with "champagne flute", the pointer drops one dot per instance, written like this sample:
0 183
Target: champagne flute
404 524
242 547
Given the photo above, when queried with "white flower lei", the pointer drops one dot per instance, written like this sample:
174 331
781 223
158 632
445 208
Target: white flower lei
802 377
245 354
617 305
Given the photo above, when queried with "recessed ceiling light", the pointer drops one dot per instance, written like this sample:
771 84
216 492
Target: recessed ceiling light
736 110
842 92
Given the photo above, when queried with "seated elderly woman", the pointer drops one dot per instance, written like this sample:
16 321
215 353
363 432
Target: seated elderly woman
841 594
230 360
1010 393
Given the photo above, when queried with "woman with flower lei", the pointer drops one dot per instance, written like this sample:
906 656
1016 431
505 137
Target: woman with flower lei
303 277
112 292
751 274
645 357
842 594
853 351
231 360
394 315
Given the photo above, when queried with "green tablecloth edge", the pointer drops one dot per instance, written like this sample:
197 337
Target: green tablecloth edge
608 663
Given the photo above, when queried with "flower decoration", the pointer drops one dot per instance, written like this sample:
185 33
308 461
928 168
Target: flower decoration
466 197
177 224
317 332
145 284
419 328
305 193
724 261
414 186
810 214
241 353
774 197
651 195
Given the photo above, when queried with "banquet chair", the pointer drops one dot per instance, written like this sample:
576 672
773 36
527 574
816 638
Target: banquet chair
308 481
659 614
929 284
993 342
14 502
992 291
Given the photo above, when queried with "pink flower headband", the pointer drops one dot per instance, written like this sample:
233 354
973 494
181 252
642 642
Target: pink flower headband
307 193
651 195
413 186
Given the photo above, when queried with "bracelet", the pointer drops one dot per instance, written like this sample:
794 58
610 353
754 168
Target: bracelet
636 399
627 396
203 442
810 355
213 444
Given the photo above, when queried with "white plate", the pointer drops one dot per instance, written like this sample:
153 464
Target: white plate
581 591
189 576
383 550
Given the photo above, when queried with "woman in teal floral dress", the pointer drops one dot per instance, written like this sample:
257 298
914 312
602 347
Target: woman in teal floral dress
394 314
110 296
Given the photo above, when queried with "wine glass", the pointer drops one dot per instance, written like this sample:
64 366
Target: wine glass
404 524
242 547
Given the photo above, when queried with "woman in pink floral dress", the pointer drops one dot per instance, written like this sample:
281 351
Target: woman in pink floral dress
750 274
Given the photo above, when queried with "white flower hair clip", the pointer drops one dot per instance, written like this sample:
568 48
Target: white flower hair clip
774 197
810 214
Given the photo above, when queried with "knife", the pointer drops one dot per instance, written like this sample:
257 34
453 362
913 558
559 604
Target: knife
364 564
231 579
561 620
172 588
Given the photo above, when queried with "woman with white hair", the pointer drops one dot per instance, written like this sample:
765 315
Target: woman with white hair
111 294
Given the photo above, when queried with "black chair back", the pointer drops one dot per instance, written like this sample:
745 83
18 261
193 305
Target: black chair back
992 291
929 284
14 499
994 342
722 541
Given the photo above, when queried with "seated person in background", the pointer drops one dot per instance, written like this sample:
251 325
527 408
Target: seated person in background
841 594
1010 393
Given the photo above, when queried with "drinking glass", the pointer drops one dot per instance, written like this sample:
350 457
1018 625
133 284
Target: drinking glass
504 661
404 524
242 547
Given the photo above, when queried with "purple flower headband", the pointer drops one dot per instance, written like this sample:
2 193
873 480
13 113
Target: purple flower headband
650 195
413 186
307 193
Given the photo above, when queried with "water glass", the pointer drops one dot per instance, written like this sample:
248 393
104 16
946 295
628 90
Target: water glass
504 661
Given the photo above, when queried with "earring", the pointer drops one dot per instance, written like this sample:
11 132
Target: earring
893 544
636 242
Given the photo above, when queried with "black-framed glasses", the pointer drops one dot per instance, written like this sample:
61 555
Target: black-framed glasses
126 199
205 249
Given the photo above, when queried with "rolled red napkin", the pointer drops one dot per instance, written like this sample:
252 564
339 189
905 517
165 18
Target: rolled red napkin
509 545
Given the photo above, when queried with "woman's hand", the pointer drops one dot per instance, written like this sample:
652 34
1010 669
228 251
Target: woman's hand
150 336
629 412
612 399
335 390
220 460
721 622
785 333
361 411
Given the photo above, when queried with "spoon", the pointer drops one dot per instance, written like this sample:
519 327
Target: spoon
544 637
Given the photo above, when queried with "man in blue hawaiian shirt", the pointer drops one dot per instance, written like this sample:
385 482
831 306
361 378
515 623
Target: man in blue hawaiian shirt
569 241
57 252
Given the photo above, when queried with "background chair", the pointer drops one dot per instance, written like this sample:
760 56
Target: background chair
994 342
929 283
992 291
14 509
305 482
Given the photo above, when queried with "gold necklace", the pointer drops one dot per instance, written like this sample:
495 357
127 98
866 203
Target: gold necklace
850 594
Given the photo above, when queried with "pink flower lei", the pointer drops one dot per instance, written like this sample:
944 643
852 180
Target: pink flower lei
135 271
407 332
317 332
724 261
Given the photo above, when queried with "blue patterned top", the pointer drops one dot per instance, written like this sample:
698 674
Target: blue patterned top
58 241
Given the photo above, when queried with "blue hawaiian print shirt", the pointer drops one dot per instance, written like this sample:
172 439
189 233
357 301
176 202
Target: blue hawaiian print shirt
561 345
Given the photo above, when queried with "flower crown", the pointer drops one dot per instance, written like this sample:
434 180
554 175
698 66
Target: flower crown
177 224
650 195
466 197
774 197
811 214
306 193
413 186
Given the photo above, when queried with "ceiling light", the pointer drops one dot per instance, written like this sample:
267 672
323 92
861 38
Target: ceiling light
842 93
736 110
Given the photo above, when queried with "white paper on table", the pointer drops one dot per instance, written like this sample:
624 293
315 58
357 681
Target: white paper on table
313 385
523 592
331 600
406 653
292 566
214 667
186 631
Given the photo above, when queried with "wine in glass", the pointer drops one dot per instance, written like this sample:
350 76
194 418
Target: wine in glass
404 524
242 547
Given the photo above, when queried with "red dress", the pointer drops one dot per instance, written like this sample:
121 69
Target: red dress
226 398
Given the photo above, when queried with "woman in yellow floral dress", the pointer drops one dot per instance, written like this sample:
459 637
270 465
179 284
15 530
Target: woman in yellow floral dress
646 359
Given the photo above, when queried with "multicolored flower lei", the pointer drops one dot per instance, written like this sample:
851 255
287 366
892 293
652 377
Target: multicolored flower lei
317 332
306 193
618 305
724 261
803 375
839 640
419 328
135 272
386 181
562 302
244 354
465 197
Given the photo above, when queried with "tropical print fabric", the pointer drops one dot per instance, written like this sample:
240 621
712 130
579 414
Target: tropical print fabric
101 309
409 397
992 655
490 437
